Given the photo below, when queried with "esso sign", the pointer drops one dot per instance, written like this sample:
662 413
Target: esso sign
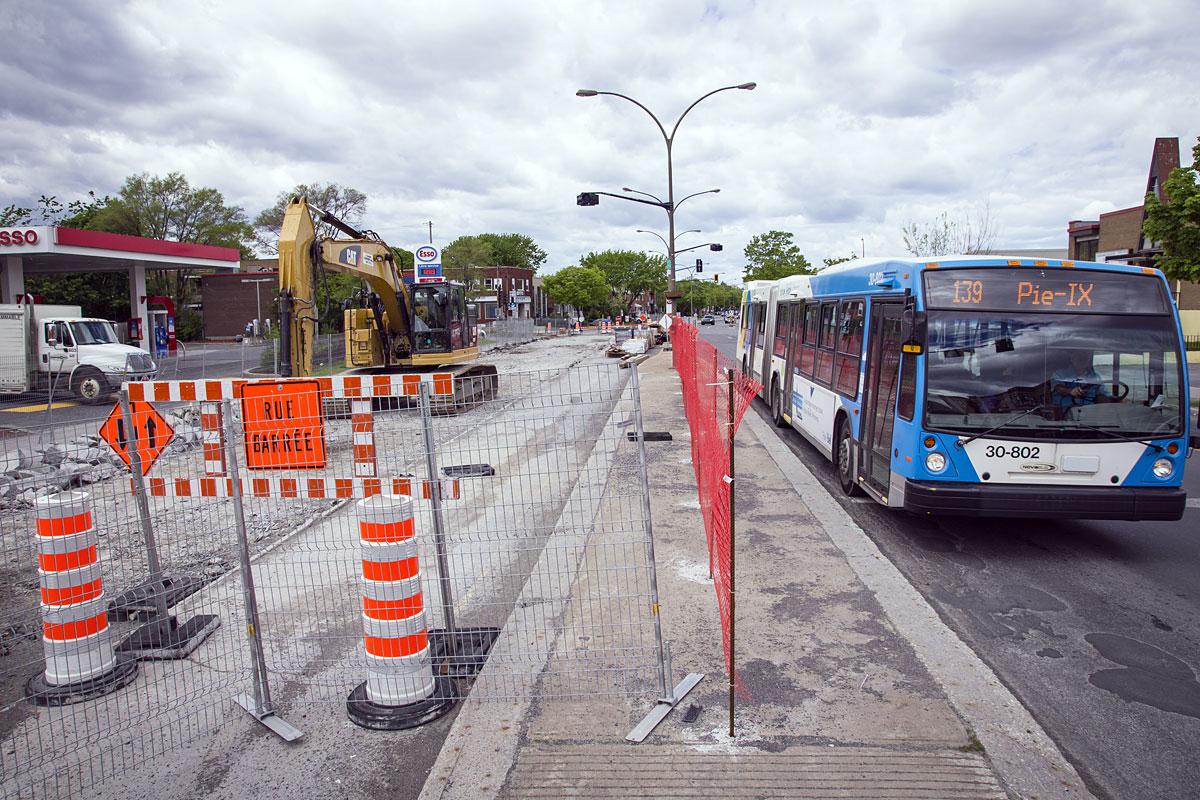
18 237
427 254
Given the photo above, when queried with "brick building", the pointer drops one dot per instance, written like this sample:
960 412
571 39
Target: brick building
501 292
230 300
1117 236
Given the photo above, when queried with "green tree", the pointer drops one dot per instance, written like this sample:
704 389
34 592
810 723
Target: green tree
170 208
51 211
582 287
629 273
463 257
773 255
829 262
344 202
514 250
1176 223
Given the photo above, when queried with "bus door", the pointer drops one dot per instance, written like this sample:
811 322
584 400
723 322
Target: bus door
879 395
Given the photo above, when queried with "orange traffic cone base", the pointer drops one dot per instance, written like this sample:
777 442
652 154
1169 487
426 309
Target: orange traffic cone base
367 714
42 693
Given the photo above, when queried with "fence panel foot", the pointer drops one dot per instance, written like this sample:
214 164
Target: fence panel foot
277 725
663 707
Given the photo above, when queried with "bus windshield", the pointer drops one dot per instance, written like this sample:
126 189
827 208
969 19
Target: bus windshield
1053 376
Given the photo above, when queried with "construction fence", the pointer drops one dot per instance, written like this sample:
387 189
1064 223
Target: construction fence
288 551
716 395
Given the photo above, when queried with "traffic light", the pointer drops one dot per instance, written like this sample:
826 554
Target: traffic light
714 278
699 265
588 199
716 248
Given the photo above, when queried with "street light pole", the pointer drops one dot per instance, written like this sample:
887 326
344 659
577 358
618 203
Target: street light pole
669 140
257 294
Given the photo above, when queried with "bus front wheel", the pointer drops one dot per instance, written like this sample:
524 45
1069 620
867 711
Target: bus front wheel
777 406
846 460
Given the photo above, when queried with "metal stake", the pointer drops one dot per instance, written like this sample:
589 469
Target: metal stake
669 697
259 706
143 508
439 525
732 573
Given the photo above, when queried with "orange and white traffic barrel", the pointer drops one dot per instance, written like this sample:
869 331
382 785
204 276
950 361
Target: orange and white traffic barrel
401 690
80 661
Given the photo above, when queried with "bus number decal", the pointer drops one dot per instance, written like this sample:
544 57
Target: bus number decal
1000 451
968 292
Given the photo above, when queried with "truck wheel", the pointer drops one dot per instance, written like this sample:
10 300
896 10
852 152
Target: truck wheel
89 385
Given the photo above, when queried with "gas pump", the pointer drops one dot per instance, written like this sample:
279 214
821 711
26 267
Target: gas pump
135 331
158 327
164 317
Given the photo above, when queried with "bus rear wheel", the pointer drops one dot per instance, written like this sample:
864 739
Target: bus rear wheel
847 461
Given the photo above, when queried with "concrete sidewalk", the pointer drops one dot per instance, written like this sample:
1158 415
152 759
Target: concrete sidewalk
856 688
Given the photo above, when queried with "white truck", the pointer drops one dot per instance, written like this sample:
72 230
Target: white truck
41 345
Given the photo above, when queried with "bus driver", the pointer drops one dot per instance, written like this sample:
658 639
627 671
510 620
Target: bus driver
1078 384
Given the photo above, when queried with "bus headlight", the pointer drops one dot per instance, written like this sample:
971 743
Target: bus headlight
936 462
1163 468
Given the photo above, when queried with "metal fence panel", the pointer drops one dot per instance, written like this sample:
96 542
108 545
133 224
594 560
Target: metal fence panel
535 485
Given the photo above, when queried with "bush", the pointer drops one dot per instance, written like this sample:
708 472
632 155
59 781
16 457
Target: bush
189 325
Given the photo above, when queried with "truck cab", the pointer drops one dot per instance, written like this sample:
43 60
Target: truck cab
57 345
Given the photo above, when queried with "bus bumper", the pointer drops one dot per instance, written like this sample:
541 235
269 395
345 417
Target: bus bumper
1044 502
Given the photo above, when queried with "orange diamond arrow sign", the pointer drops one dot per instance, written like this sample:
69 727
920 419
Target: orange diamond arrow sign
151 433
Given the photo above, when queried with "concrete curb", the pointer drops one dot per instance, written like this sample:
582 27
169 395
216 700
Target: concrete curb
1026 758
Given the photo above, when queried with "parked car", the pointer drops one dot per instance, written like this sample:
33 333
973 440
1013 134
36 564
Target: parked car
708 319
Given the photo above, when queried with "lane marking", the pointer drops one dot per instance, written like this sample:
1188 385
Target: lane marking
1193 502
40 407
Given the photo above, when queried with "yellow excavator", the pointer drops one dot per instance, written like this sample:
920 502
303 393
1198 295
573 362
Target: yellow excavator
391 327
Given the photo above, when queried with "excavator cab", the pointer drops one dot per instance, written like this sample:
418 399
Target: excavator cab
440 322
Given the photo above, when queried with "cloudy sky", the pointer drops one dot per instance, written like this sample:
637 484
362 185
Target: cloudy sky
867 115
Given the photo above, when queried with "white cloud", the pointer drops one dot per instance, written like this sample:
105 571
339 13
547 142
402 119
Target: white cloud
866 116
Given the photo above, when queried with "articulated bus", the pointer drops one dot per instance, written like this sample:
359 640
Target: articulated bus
981 386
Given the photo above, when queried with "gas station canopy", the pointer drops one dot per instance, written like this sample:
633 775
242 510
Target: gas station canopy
47 250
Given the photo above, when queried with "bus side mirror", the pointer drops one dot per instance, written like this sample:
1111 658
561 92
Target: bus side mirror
912 331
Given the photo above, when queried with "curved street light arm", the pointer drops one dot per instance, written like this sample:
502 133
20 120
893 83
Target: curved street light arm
661 129
652 233
696 194
697 102
639 191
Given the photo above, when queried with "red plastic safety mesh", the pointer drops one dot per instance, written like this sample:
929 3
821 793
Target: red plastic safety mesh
704 374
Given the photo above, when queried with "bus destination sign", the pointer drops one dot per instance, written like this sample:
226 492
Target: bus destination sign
1045 290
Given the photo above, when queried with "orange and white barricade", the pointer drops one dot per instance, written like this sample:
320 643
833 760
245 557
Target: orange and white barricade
80 661
400 690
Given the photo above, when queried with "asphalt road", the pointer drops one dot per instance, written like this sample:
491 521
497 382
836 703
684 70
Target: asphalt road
1094 626
197 361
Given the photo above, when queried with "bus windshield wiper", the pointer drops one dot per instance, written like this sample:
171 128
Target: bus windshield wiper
1106 432
1005 424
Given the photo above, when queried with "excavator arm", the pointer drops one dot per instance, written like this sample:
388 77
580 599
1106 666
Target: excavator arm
300 259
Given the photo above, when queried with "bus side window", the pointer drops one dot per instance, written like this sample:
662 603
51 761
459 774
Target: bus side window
825 347
783 318
761 316
849 348
808 352
796 336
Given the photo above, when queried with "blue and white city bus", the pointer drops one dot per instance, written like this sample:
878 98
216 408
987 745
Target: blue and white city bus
981 386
